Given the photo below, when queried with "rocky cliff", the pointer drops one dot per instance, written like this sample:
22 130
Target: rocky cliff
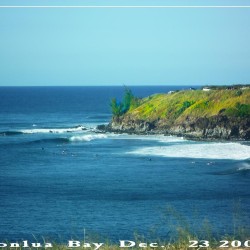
216 127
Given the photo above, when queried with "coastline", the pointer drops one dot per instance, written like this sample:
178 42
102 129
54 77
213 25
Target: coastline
211 133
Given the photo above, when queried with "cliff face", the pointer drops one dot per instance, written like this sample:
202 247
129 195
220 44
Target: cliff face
219 114
216 127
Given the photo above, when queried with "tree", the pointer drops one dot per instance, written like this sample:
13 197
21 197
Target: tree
116 107
127 99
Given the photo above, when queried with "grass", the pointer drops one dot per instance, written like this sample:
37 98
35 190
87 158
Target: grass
182 238
178 106
182 241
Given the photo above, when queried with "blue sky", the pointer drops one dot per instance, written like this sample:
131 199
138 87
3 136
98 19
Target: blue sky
124 46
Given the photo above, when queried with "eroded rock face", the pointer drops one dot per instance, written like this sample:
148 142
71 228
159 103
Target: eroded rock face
129 125
216 127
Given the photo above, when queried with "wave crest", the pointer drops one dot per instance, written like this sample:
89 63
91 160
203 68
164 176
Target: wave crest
54 130
44 131
87 137
244 167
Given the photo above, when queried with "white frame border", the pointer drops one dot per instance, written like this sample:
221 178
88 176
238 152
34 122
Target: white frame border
125 6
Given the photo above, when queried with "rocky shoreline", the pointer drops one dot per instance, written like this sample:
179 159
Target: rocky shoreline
218 127
215 113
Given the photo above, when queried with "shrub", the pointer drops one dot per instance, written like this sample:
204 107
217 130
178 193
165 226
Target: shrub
239 110
184 106
238 93
243 109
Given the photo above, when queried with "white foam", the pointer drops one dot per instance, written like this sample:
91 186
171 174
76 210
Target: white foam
244 166
234 151
160 138
53 130
87 137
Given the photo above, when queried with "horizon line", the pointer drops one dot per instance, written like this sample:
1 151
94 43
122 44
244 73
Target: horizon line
124 6
122 85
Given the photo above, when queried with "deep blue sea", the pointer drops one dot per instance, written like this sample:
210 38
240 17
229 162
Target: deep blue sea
60 177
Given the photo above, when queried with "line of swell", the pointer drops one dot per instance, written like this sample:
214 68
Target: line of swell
50 140
82 138
10 133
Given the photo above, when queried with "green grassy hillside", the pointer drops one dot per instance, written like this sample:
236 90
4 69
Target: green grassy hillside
181 105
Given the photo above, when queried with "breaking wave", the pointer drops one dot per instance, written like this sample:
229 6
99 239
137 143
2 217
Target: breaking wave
233 151
44 131
159 138
78 138
87 137
243 168
54 130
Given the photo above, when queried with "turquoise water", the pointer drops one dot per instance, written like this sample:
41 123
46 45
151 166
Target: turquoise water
59 175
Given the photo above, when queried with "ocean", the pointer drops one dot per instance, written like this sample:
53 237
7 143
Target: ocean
60 178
